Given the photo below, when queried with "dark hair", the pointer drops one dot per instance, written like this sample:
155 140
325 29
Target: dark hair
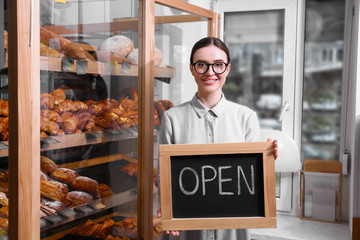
207 41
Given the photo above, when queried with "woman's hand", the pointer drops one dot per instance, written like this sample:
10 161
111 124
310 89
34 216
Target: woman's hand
174 233
275 147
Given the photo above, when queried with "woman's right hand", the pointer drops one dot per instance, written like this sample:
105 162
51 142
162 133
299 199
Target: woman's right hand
174 233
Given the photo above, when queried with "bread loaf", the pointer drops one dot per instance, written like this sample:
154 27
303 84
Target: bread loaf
119 44
45 50
85 184
65 175
134 57
47 165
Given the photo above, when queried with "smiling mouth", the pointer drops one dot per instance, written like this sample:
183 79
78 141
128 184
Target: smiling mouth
209 81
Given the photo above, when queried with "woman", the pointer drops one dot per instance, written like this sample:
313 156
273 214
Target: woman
210 118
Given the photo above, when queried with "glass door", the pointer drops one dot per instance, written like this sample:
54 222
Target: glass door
261 37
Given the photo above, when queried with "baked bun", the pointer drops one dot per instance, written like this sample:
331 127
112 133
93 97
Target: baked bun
65 175
85 184
47 165
53 190
79 198
4 201
118 44
134 57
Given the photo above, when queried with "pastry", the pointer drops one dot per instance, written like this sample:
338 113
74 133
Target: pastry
4 201
79 198
58 95
47 165
49 114
65 106
69 122
85 184
4 108
166 103
48 126
128 93
134 57
45 50
65 175
118 44
106 56
46 101
105 190
52 190
4 222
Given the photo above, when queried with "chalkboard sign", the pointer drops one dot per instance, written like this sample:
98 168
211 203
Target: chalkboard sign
217 186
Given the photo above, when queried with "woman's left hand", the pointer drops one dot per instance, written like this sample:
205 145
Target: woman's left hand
275 147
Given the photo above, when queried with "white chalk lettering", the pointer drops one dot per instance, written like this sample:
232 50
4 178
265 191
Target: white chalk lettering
252 189
181 182
204 180
221 180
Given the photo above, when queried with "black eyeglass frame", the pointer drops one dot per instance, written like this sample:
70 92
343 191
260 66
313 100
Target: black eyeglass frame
208 65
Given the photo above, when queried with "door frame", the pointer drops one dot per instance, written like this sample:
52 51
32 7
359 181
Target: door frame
293 61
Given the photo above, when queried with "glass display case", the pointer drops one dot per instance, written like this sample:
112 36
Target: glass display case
86 82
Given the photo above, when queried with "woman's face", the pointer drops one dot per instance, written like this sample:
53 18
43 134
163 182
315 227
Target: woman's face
209 82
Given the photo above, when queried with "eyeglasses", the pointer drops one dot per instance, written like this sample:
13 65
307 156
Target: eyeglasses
218 67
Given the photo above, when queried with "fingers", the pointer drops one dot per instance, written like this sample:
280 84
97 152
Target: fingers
159 212
174 233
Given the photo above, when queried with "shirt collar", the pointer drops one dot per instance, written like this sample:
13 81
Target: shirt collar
201 109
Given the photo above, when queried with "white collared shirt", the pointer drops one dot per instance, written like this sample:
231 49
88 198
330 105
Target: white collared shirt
192 122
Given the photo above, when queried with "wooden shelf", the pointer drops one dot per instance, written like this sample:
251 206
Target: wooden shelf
55 65
77 140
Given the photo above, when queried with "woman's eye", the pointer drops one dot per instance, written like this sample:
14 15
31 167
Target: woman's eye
201 64
219 64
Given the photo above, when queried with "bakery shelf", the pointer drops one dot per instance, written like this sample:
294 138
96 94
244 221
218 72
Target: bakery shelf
82 139
125 69
81 217
97 161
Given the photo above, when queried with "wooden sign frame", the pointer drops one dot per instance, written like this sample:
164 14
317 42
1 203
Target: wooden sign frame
170 223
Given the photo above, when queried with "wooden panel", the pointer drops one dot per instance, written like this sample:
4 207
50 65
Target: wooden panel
24 123
187 7
356 228
146 118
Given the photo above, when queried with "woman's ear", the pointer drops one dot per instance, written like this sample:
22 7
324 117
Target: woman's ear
191 69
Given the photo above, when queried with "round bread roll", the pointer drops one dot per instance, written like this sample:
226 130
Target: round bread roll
134 57
118 44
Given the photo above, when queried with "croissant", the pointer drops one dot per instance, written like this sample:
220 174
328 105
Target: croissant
69 122
117 111
97 108
48 126
4 108
78 106
60 133
51 115
65 106
46 101
86 121
58 95
45 50
109 103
